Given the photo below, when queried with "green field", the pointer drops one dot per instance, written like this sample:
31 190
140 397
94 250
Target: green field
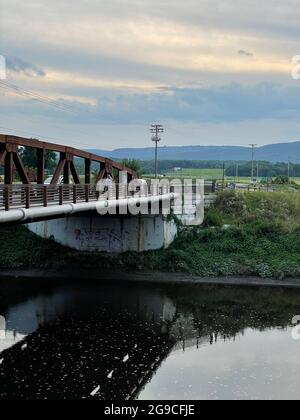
211 174
208 174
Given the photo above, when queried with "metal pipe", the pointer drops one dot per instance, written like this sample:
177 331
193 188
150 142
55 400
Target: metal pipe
21 215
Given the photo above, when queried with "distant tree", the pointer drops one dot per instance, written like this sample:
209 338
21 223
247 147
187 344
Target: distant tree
281 180
29 158
134 165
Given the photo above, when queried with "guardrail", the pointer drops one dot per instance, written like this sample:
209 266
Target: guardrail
28 196
19 196
31 196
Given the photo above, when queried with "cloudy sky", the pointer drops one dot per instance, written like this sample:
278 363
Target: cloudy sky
96 73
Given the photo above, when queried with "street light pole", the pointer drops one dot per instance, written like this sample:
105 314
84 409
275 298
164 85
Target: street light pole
156 130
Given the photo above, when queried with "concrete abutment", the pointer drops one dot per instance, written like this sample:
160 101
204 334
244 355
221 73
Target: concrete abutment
111 234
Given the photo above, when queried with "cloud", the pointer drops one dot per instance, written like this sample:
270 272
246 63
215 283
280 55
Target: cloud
230 103
17 65
110 61
245 53
176 39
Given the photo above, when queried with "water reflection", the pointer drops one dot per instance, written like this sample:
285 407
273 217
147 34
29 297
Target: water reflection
133 341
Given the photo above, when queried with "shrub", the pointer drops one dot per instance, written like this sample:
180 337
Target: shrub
213 219
230 203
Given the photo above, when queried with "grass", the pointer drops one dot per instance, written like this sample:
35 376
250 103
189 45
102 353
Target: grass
207 174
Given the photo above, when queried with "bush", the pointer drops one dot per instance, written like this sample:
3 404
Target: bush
213 219
265 229
230 203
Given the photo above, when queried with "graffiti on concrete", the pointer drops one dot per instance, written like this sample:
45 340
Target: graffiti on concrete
100 240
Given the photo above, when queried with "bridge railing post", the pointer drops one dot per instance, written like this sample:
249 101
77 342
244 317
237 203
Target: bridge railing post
74 193
61 195
87 193
27 196
6 193
45 196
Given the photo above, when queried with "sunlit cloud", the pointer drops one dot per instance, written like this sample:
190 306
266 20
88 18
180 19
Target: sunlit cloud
128 62
163 43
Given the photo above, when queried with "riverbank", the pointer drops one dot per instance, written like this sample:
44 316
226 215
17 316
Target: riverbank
147 277
253 235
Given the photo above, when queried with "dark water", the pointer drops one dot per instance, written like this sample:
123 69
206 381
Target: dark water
66 340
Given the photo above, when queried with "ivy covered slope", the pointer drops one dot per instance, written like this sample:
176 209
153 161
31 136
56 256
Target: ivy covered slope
243 234
20 248
253 234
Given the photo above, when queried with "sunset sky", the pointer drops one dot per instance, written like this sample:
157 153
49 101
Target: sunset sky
212 72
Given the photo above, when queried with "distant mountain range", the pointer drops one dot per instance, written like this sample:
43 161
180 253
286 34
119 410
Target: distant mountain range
280 152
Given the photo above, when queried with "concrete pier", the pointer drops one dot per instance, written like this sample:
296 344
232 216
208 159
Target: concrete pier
111 234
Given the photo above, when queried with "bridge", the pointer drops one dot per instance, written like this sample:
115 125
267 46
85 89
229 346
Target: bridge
32 191
66 208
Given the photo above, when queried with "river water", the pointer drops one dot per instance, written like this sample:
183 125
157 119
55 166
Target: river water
65 339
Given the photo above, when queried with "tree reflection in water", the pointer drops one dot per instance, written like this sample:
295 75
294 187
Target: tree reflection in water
114 338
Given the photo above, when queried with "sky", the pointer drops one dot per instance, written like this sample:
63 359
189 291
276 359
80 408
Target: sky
97 73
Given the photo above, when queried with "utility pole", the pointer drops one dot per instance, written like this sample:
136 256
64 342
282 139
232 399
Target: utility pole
156 130
289 168
252 170
237 173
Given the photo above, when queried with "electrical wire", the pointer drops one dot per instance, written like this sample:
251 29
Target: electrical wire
61 106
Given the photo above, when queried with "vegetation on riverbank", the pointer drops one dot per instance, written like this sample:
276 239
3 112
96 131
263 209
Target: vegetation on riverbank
243 234
20 248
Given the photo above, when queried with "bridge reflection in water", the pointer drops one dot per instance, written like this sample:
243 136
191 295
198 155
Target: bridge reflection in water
79 338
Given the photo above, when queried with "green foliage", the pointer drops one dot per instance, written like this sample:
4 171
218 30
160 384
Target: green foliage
29 158
21 249
134 165
213 218
278 210
230 203
281 180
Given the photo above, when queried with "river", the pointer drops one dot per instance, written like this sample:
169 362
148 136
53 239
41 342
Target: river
66 339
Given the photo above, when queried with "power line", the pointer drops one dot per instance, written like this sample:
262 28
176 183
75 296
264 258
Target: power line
35 95
62 106
42 99
52 103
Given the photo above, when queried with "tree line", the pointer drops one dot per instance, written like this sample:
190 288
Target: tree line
232 168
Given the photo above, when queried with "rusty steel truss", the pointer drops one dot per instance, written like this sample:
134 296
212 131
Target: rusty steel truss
11 160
